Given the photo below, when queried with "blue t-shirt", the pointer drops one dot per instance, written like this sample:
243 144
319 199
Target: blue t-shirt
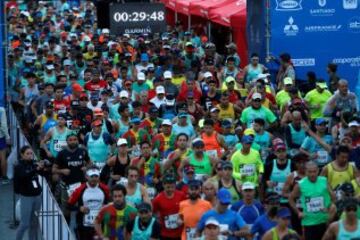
231 140
312 146
248 212
262 225
230 218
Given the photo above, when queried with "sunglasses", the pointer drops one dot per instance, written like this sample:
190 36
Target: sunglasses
257 100
144 211
352 208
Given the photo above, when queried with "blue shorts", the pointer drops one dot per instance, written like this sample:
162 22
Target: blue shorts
2 143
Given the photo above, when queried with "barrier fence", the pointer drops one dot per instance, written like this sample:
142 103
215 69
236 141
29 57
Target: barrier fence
52 221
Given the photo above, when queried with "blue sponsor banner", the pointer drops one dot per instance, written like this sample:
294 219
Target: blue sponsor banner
317 32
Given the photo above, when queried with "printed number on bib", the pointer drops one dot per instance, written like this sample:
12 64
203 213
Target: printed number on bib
90 217
315 204
279 187
212 153
322 157
151 192
59 145
72 187
190 233
171 221
248 170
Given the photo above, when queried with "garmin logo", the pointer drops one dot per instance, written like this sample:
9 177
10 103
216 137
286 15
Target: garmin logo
288 5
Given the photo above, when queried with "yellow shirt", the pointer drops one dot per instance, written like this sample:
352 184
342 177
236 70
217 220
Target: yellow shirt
228 113
282 98
247 167
314 98
336 177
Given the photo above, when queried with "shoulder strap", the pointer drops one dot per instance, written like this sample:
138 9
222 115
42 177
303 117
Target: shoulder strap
235 187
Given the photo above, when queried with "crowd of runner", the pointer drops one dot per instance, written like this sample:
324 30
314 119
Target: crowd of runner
158 136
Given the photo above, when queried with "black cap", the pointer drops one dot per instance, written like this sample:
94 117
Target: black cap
144 206
169 178
194 183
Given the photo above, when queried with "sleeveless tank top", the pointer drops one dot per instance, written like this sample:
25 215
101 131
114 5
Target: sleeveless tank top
253 72
344 234
338 177
212 146
139 234
235 194
136 198
120 168
58 141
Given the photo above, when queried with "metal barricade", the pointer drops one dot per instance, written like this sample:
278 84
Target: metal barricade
52 221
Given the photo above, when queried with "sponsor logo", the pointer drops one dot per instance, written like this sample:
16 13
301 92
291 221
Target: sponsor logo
350 4
323 28
322 11
354 24
322 3
352 61
288 5
303 62
291 29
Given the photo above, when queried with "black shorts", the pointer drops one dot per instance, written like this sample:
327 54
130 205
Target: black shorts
314 232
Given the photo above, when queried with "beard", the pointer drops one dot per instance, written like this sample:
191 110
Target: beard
193 196
73 146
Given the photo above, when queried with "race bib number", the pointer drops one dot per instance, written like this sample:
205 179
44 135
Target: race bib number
190 233
224 228
248 170
171 221
90 217
212 153
123 181
322 157
72 187
201 177
315 204
279 187
100 165
59 145
151 192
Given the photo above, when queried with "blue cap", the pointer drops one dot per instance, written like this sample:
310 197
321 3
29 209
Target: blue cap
224 196
320 121
283 213
144 57
247 139
135 120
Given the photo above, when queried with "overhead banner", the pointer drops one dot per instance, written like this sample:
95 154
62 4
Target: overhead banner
316 33
137 18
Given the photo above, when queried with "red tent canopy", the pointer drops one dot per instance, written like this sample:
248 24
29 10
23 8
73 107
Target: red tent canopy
183 6
222 14
203 8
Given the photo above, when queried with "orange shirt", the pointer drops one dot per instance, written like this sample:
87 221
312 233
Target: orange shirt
191 215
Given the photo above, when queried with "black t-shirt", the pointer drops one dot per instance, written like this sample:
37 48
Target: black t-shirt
73 161
155 232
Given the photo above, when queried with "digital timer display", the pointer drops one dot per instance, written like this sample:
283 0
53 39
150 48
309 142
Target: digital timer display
138 16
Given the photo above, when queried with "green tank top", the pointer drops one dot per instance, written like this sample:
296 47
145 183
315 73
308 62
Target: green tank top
58 140
138 234
235 194
314 199
344 234
275 234
201 167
